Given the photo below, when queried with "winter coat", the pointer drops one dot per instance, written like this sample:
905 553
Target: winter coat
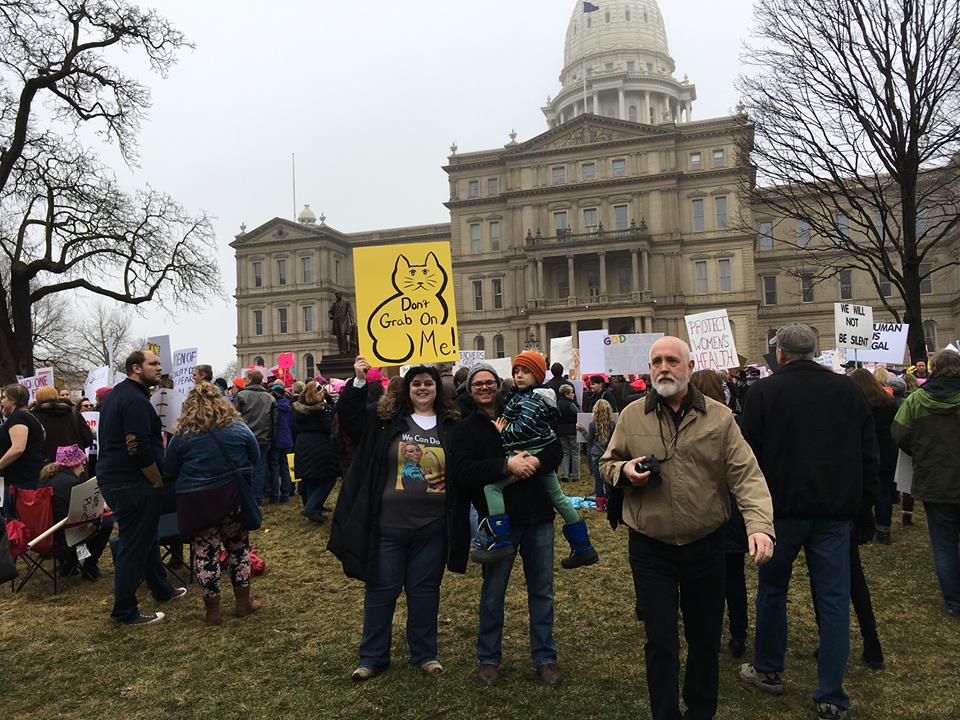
882 421
127 412
63 426
568 410
259 410
927 427
313 455
590 400
701 460
355 530
283 432
814 438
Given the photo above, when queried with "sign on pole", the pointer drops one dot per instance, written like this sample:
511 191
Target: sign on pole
624 354
888 344
563 352
406 312
285 361
160 344
96 379
854 326
712 346
469 358
591 351
43 378
184 361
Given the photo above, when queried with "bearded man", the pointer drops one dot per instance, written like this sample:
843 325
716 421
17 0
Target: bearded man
675 512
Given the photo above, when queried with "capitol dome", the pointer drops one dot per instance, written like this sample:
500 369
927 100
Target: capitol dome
307 216
620 53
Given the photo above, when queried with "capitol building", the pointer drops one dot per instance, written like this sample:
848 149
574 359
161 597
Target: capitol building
624 214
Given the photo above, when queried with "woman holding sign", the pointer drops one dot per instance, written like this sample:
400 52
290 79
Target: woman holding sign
394 518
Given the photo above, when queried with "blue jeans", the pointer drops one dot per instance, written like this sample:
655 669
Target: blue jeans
943 521
136 508
826 545
410 560
535 545
279 469
599 489
261 476
883 507
316 494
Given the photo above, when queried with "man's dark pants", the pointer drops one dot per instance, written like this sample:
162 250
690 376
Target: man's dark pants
670 578
136 507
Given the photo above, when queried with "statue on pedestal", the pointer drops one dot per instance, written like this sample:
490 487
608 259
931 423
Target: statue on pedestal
344 324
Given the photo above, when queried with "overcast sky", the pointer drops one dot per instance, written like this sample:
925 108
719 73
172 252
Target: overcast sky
369 95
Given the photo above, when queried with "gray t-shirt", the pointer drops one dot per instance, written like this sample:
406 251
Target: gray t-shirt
415 493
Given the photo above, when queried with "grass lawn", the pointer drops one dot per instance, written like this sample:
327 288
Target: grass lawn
61 658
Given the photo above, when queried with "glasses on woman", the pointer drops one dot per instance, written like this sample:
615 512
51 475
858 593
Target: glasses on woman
480 384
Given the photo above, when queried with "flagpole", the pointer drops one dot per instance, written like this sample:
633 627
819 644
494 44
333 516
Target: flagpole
583 60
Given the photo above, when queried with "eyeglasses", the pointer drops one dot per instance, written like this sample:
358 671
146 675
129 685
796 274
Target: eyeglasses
480 384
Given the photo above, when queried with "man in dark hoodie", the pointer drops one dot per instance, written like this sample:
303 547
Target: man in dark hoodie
259 410
927 427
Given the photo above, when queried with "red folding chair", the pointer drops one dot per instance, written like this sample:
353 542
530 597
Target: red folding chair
35 511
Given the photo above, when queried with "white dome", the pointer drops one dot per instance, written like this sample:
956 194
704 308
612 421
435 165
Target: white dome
619 26
307 216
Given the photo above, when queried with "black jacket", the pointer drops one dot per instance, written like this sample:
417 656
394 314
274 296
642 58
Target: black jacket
313 455
355 532
476 459
568 416
814 438
127 411
62 426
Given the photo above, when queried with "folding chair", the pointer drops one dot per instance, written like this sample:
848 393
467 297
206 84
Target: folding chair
168 532
35 511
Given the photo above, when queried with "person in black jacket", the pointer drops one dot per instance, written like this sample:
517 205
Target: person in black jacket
477 459
394 518
567 426
315 462
814 438
62 424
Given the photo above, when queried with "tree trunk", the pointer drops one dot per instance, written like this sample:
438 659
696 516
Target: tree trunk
913 316
20 306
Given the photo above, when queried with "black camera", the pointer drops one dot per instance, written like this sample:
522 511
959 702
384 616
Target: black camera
651 465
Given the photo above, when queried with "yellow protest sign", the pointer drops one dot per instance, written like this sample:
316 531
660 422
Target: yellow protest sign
405 305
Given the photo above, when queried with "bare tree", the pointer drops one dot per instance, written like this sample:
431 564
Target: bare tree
851 123
64 222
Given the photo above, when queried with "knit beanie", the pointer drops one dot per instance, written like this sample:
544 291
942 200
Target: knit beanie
70 456
481 367
534 362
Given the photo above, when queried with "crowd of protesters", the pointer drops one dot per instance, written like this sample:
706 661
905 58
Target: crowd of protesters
702 468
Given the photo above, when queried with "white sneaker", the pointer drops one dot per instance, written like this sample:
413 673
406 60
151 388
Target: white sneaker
364 673
431 666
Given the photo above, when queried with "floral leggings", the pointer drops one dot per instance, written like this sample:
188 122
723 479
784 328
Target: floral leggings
206 549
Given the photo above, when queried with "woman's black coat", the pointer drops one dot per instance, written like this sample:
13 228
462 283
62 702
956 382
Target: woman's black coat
313 455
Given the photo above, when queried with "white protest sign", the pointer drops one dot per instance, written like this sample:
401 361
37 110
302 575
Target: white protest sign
503 366
93 422
184 361
854 326
469 358
903 476
712 346
563 352
160 344
584 420
888 344
118 378
167 403
43 378
86 506
951 348
591 351
96 379
624 354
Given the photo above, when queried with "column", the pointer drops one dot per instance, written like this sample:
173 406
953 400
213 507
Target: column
573 334
646 271
689 111
645 118
596 103
623 105
571 277
635 286
540 292
530 292
544 343
603 272
638 324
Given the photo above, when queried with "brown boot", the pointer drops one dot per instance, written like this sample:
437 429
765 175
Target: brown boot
245 604
212 604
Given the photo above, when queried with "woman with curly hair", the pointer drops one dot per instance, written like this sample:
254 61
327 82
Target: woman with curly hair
212 450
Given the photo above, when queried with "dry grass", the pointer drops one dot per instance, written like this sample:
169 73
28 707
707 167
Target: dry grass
62 659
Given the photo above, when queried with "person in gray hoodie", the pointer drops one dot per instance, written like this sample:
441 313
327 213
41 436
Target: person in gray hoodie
259 411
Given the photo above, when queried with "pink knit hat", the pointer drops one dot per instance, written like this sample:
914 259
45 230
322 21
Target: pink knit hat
70 456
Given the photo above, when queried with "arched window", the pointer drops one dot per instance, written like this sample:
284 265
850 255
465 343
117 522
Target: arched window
498 346
309 368
258 360
606 17
632 113
626 14
930 335
478 343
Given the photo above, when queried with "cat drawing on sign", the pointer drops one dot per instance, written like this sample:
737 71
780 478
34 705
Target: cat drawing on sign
417 303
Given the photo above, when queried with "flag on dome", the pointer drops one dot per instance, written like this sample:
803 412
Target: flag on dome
589 7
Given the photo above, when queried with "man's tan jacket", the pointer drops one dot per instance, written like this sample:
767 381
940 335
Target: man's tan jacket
699 462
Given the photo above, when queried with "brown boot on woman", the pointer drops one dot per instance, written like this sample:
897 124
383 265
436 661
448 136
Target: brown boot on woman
212 605
245 603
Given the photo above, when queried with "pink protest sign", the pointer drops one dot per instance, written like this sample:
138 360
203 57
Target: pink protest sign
285 360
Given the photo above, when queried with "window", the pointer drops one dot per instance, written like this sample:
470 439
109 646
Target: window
282 271
494 229
336 272
624 280
632 113
478 343
306 272
926 283
588 171
619 167
698 215
258 274
473 188
308 318
700 277
631 65
846 284
593 284
493 186
621 220
721 206
282 317
559 175
884 282
497 294
310 367
878 224
843 226
770 290
590 219
803 233
258 324
609 67
930 334
475 238
560 222
498 346
563 286
258 360
766 236
922 224
724 268
806 288
719 157
478 294
696 161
